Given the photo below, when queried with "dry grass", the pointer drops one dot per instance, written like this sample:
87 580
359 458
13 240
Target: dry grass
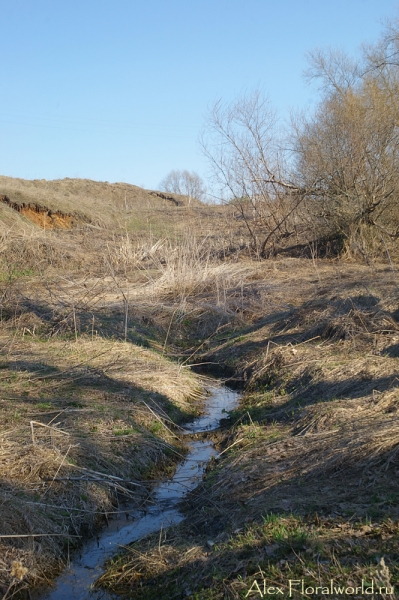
80 422
118 227
189 271
272 553
306 484
11 221
315 442
199 293
110 207
87 416
77 197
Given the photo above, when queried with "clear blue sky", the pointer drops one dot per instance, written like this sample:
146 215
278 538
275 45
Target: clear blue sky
117 90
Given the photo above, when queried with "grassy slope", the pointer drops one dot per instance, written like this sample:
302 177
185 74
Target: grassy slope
75 416
115 205
306 487
306 483
70 360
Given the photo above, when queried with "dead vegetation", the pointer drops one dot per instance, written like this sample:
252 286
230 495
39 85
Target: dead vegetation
83 424
305 487
91 404
90 414
284 551
82 201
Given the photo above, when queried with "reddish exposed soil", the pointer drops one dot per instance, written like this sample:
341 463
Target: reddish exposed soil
40 215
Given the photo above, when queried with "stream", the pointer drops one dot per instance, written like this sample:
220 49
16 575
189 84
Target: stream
88 564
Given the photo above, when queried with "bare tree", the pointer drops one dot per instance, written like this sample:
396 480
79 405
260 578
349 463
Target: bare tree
336 173
333 70
184 183
242 143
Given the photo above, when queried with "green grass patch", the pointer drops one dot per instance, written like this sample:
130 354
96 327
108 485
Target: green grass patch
122 432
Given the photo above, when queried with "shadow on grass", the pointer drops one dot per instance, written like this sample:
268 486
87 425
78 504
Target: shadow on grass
303 393
71 387
110 323
274 549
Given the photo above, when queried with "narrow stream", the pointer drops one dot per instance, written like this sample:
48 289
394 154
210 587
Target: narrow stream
87 566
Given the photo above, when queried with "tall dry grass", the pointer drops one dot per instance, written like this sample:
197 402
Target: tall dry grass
191 291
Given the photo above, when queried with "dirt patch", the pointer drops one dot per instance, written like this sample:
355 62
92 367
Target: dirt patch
42 216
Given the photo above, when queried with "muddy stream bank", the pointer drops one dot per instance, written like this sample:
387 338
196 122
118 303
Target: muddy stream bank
87 565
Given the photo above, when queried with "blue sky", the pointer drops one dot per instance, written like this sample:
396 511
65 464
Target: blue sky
118 90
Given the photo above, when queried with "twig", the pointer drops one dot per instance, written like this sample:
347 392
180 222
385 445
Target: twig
90 479
48 427
33 433
103 475
159 542
167 334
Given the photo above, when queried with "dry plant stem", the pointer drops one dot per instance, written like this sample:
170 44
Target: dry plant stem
126 311
159 543
32 423
8 590
58 470
161 421
217 330
389 256
167 333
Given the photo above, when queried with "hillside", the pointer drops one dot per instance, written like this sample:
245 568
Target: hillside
64 224
92 202
106 331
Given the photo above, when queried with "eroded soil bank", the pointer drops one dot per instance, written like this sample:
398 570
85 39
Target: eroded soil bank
41 215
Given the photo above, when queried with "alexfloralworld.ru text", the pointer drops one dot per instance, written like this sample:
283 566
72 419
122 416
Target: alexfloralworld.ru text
261 588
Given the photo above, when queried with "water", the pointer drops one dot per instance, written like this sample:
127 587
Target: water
87 566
